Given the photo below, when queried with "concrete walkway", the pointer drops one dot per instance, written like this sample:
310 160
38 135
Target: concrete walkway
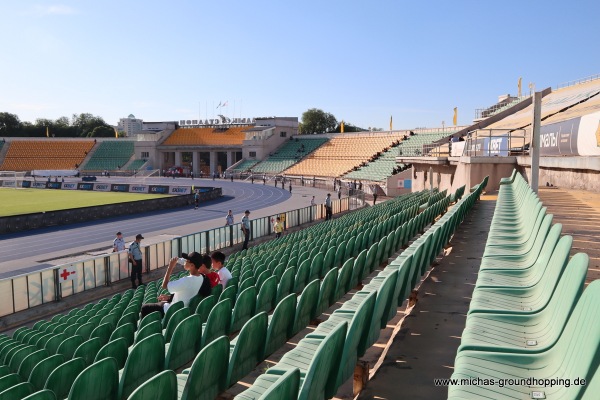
429 336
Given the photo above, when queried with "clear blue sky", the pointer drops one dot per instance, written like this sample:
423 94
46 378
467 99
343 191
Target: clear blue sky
360 60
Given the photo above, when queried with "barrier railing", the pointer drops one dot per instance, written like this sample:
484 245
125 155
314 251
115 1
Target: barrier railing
48 285
496 142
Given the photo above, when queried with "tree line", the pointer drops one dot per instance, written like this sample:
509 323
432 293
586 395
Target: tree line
79 125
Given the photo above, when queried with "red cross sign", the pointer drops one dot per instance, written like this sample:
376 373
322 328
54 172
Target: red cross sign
67 274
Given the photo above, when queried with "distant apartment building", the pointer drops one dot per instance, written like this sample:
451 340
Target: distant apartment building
130 125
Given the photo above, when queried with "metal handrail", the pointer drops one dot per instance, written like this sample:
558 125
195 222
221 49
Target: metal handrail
496 143
578 81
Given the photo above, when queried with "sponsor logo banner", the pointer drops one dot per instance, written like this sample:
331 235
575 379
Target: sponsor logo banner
39 185
69 186
102 187
122 187
138 188
496 146
559 138
159 189
85 186
178 190
53 185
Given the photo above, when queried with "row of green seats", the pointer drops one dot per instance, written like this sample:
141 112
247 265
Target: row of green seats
529 316
323 360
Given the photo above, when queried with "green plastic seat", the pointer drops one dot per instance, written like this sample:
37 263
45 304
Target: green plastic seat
218 322
61 379
525 300
30 362
531 333
160 387
575 354
69 345
205 306
356 335
125 331
149 329
217 290
153 316
9 381
317 357
102 332
316 266
116 349
266 295
248 348
307 303
145 360
85 330
339 255
326 292
99 381
18 391
39 374
243 309
273 386
357 270
329 261
286 284
203 383
175 319
44 394
343 280
173 308
229 293
302 276
184 344
280 324
19 355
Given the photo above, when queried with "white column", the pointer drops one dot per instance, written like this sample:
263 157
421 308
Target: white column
535 141
178 158
195 162
229 158
213 162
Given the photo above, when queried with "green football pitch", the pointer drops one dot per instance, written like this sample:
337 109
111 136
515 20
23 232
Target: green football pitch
25 201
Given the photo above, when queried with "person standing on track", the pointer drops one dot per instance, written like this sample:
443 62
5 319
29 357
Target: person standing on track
135 257
196 199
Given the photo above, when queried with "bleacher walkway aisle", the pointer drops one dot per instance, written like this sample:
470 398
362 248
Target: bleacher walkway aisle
426 345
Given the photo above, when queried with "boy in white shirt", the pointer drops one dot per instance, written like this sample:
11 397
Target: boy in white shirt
182 289
218 259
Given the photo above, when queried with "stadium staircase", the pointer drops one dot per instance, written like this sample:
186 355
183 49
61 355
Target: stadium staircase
320 263
3 150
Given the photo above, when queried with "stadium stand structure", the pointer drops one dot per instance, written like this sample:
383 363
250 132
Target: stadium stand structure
342 153
135 165
233 135
243 166
418 144
110 155
266 277
289 154
27 155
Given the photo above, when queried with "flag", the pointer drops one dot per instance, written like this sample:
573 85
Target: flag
116 134
67 274
519 85
224 104
47 132
342 127
455 116
391 123
218 105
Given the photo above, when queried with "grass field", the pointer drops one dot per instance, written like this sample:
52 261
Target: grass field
25 201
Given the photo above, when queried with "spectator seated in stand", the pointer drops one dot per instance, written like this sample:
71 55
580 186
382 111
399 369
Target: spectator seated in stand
218 261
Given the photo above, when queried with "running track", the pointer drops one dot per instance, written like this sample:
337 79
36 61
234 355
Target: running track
237 196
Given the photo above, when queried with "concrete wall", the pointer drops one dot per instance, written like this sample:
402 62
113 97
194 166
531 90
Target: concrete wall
588 180
392 183
25 222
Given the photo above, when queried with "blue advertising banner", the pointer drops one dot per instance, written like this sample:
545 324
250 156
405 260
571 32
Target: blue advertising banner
159 189
122 187
85 186
560 138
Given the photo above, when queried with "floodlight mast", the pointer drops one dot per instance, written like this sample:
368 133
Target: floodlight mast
535 141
